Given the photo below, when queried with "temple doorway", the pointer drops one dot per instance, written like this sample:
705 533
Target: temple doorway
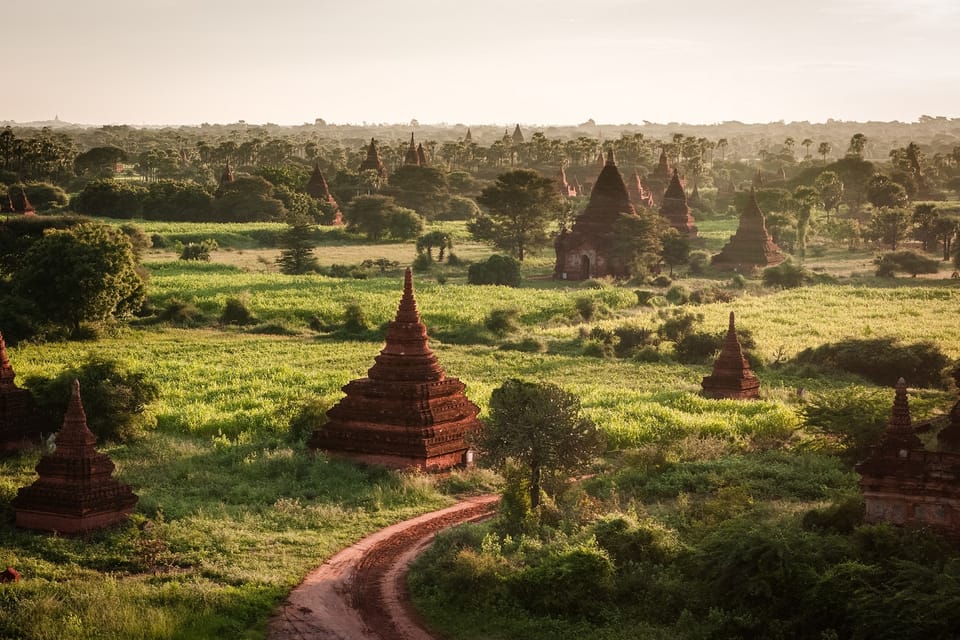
584 267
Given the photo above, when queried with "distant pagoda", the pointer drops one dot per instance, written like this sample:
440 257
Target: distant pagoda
674 208
751 246
694 199
421 155
318 189
76 492
6 204
468 137
640 196
406 413
659 178
225 178
517 135
411 158
585 252
373 161
20 426
564 187
731 377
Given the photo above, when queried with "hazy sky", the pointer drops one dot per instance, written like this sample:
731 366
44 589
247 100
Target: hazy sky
479 61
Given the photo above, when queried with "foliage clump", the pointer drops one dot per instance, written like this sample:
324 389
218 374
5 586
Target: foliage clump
199 251
501 270
910 262
881 360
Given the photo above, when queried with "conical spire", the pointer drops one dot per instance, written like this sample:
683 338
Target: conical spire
25 206
517 135
468 137
411 158
900 434
611 159
675 209
407 311
732 377
406 354
675 188
751 246
373 162
75 438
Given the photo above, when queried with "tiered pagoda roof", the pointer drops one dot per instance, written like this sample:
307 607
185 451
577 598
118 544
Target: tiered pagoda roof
608 199
751 246
406 413
20 426
318 188
411 157
675 209
373 161
731 377
76 491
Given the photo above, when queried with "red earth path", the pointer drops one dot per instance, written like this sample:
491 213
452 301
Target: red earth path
360 593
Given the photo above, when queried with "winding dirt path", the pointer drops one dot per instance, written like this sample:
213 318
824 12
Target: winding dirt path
360 593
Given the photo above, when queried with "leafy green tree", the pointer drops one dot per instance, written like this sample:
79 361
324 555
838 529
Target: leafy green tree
676 248
177 200
110 199
297 256
423 189
521 205
824 149
857 144
83 274
804 198
99 161
378 216
247 199
924 220
435 239
908 261
501 270
460 208
830 188
890 226
884 192
540 426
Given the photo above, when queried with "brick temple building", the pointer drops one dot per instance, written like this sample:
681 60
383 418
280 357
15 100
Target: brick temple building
751 246
731 377
318 189
373 161
406 413
674 208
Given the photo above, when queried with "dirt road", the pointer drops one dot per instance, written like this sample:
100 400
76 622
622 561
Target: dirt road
360 593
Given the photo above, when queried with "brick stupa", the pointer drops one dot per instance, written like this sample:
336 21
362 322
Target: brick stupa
421 155
674 208
517 135
412 158
22 204
640 196
904 484
751 246
373 161
20 426
659 178
406 413
585 251
318 189
731 377
76 491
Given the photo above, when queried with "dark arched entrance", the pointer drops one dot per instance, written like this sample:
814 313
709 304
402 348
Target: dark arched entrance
584 267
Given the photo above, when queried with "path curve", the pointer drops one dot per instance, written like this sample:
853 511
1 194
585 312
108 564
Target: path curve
360 593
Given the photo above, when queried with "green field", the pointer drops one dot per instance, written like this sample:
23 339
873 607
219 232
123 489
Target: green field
233 511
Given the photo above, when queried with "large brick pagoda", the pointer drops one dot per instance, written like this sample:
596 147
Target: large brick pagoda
76 491
731 377
20 426
903 483
751 246
585 252
406 413
373 161
674 208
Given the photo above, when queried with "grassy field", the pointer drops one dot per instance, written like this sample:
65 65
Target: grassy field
233 511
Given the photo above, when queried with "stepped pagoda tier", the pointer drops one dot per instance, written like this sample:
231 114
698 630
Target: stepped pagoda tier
421 155
585 251
517 135
731 377
751 246
659 178
902 483
76 491
406 413
640 196
373 162
949 436
674 208
318 189
20 426
411 157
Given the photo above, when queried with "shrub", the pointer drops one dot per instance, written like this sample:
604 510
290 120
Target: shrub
115 400
569 582
881 360
422 262
698 347
678 295
699 262
311 414
497 269
454 260
630 338
139 240
853 417
907 261
644 296
786 275
180 312
502 321
157 241
199 251
678 324
235 312
662 281
739 281
525 345
354 320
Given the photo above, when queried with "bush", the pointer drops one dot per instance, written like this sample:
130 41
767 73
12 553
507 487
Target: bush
181 312
678 295
422 262
139 240
698 348
786 275
114 399
631 338
502 321
576 582
501 270
354 320
310 415
739 281
910 262
235 312
853 418
699 262
525 345
644 296
662 281
881 360
201 251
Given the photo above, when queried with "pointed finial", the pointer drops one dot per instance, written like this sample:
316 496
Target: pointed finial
900 416
407 311
731 327
611 160
411 138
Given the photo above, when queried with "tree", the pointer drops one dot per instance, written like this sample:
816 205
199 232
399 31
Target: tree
824 149
297 256
857 144
99 160
722 146
636 241
804 198
890 226
884 192
435 239
909 261
924 220
500 270
676 248
247 199
541 427
110 199
831 190
423 189
806 145
377 217
83 274
520 207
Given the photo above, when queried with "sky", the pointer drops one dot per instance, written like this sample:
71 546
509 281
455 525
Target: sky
478 62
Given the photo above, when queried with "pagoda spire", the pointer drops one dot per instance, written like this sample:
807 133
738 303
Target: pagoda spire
731 377
411 157
468 137
900 433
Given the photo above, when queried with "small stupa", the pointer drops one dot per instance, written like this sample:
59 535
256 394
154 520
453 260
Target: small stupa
20 426
76 491
411 158
373 161
406 413
731 377
318 189
751 246
674 208
468 137
6 204
694 199
564 187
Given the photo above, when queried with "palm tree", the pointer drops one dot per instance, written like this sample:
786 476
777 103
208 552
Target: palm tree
722 146
824 149
806 145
